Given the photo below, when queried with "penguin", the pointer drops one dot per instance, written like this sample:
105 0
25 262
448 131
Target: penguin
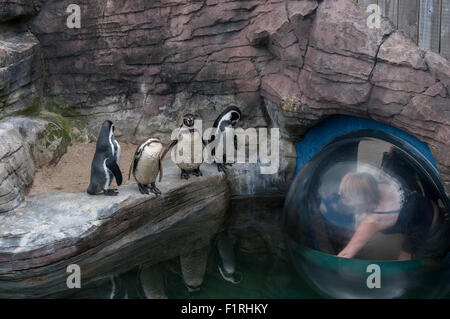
187 138
227 119
147 164
227 259
105 165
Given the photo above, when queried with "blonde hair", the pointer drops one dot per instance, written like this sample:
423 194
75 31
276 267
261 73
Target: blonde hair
360 189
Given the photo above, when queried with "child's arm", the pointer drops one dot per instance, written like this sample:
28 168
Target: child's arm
363 234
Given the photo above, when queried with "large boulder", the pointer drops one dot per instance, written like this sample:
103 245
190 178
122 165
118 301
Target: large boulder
27 144
20 72
16 167
107 235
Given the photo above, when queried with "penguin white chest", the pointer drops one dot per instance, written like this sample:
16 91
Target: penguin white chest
147 168
189 150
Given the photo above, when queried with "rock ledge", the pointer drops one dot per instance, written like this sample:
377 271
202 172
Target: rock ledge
107 235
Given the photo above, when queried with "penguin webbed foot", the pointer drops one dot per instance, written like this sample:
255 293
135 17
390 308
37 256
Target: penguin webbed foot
144 189
111 192
154 189
184 174
197 172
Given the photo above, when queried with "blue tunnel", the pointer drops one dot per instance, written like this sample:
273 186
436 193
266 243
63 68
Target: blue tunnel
349 172
337 125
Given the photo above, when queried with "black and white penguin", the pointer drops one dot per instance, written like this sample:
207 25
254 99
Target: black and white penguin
227 119
105 165
227 259
147 164
187 138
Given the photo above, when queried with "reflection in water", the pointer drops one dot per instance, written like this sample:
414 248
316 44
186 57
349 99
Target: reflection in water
260 258
254 230
265 272
276 279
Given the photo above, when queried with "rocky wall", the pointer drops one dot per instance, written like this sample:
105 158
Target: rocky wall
286 64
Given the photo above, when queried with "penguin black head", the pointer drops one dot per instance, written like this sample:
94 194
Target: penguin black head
107 126
103 139
235 114
188 120
232 113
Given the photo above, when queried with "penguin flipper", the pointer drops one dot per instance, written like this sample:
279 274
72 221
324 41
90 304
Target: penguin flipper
114 168
167 149
136 157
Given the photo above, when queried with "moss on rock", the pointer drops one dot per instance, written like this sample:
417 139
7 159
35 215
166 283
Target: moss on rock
55 138
33 109
63 127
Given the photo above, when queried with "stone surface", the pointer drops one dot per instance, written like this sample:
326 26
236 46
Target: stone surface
107 235
46 139
16 167
286 64
13 9
340 27
20 71
25 145
400 50
246 179
439 67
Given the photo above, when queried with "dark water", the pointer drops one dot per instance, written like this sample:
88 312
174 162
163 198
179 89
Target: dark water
274 280
254 228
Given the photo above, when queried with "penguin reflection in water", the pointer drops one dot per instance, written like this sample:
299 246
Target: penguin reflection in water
105 165
147 164
187 140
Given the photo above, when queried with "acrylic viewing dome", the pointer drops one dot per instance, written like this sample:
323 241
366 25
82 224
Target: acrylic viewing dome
369 198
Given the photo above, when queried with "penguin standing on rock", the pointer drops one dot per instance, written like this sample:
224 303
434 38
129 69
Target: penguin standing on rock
186 141
227 119
105 165
147 164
